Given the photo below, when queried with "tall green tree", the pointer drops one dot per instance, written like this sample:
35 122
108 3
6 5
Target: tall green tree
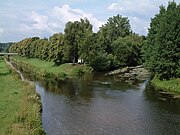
56 47
76 36
162 50
116 26
71 46
45 49
84 38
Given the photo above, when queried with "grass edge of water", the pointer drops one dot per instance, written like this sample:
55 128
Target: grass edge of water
27 119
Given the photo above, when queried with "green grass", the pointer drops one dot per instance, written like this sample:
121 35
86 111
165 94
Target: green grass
65 70
19 105
172 85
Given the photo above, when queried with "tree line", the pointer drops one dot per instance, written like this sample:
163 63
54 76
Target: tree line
113 46
4 46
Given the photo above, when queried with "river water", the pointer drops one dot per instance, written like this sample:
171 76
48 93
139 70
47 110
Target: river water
101 105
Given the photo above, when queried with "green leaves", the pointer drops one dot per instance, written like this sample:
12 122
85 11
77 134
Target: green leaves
127 50
112 46
117 26
100 61
55 48
77 39
161 52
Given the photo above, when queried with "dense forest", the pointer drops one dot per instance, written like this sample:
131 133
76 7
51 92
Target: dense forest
114 45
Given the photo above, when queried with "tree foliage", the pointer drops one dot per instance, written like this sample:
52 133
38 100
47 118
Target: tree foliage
4 46
117 26
162 49
127 50
76 39
56 47
112 46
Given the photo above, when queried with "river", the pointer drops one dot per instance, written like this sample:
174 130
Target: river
100 105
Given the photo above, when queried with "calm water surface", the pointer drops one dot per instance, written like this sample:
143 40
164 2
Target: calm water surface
99 105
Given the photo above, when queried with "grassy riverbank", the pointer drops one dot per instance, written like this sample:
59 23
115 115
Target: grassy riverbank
20 105
49 70
172 86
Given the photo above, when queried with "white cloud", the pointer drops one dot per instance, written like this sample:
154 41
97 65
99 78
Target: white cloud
66 13
129 7
55 20
35 22
40 21
138 7
115 7
139 25
1 30
138 11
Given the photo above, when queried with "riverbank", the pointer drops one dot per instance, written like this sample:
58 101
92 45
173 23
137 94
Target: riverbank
131 75
49 70
167 88
20 105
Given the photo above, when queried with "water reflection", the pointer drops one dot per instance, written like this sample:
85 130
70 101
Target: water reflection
81 86
153 96
97 104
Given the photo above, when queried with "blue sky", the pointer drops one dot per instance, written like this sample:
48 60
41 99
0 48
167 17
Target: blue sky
20 19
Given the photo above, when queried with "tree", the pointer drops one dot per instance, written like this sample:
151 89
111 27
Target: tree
75 39
85 39
56 48
162 50
45 49
4 46
127 50
71 47
100 61
117 26
1 50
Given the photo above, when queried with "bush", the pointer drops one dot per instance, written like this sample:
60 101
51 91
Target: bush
100 62
62 75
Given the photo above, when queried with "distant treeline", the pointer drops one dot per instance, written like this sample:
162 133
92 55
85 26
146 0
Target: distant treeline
4 46
114 45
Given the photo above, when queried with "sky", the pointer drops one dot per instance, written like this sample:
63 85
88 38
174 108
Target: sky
21 19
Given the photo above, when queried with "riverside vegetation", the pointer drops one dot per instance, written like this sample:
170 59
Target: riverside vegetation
162 49
46 69
20 105
114 45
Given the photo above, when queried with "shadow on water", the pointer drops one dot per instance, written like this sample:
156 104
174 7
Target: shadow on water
99 104
87 86
84 86
153 96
